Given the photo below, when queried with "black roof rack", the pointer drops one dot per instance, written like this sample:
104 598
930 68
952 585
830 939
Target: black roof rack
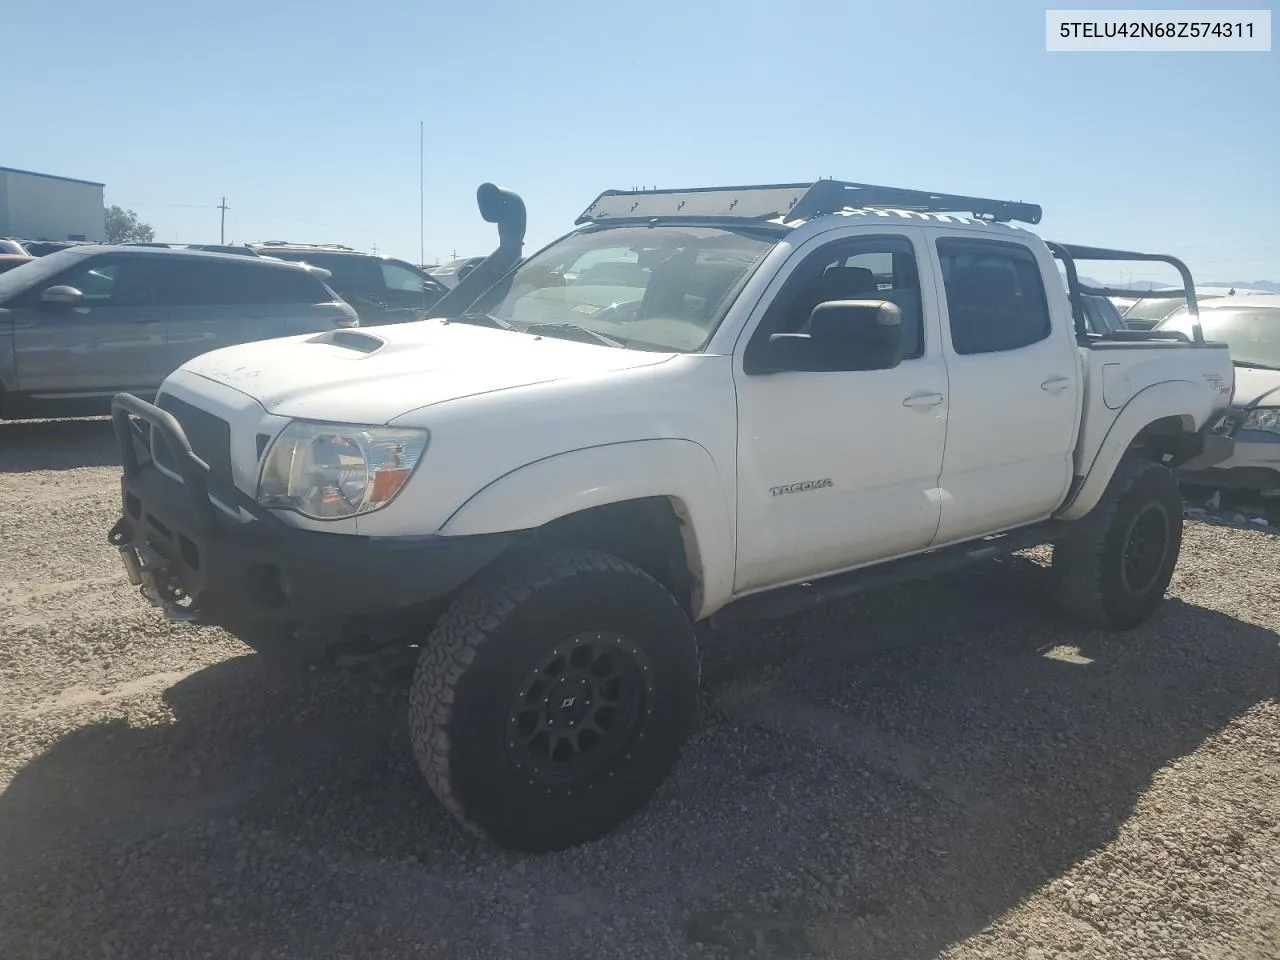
1069 253
795 201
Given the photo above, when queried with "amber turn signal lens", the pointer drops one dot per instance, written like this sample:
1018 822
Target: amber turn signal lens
387 483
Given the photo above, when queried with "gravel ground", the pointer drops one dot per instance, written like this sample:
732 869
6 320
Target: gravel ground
937 770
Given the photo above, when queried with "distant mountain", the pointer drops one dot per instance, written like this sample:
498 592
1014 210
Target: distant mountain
1269 286
1140 286
1136 285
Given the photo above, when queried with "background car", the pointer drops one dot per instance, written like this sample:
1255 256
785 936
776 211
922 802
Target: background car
79 326
1250 327
12 248
1146 313
381 289
452 273
10 260
1101 315
42 248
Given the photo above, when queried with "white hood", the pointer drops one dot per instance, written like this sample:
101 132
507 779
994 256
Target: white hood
414 365
1260 387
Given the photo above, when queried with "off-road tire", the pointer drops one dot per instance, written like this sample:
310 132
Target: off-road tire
476 664
1089 564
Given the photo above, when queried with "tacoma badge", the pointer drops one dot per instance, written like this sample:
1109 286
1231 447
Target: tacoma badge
802 487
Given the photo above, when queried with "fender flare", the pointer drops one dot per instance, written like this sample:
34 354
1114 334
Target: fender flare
681 471
1160 401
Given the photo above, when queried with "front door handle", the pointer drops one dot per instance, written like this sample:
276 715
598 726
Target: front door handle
923 400
1056 384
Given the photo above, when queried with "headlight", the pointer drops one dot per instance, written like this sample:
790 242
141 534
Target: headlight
328 471
1267 419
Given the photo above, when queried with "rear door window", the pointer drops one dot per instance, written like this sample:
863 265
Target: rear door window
351 276
262 284
995 297
240 283
201 283
397 277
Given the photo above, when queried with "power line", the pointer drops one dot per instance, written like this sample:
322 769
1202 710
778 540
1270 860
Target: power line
216 206
175 206
421 200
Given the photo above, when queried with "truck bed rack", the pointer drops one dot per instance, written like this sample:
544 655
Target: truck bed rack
795 201
1069 253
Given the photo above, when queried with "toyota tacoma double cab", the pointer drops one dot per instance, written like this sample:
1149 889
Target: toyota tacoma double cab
696 407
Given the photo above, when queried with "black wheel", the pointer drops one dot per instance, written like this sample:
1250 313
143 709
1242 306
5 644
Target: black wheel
553 697
1113 568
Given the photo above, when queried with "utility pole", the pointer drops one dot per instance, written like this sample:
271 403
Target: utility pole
375 249
222 231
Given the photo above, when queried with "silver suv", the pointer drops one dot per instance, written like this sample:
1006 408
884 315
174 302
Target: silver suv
85 323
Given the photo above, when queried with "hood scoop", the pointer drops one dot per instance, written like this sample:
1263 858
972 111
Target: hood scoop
351 340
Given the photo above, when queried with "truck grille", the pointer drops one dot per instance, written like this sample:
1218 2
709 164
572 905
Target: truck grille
209 435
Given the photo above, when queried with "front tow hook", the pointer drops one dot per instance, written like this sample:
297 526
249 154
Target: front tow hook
147 571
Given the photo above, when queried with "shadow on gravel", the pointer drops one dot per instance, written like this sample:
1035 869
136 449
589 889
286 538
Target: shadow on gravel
56 445
879 779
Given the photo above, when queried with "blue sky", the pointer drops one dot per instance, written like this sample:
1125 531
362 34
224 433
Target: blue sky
305 115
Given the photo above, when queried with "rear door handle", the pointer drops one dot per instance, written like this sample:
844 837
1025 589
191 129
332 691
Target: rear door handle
923 400
1056 384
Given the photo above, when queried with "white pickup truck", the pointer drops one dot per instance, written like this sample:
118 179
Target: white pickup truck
699 405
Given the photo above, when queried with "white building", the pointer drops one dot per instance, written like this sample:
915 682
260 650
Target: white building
40 206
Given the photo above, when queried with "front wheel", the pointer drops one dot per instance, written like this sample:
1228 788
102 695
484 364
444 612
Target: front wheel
1113 568
553 697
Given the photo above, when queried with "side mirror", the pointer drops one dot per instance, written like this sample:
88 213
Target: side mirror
844 335
62 296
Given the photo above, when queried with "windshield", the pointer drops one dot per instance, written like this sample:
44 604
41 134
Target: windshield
1101 314
1252 334
1153 308
651 288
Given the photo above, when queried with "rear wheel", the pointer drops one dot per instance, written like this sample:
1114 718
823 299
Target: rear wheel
1113 568
553 697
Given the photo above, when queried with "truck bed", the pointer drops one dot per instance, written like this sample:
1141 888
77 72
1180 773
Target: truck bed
1120 375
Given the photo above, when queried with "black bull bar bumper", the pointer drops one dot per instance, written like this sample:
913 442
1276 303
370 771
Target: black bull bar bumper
202 550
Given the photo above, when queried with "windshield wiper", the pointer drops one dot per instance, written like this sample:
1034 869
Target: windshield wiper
578 329
1254 365
559 326
488 318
